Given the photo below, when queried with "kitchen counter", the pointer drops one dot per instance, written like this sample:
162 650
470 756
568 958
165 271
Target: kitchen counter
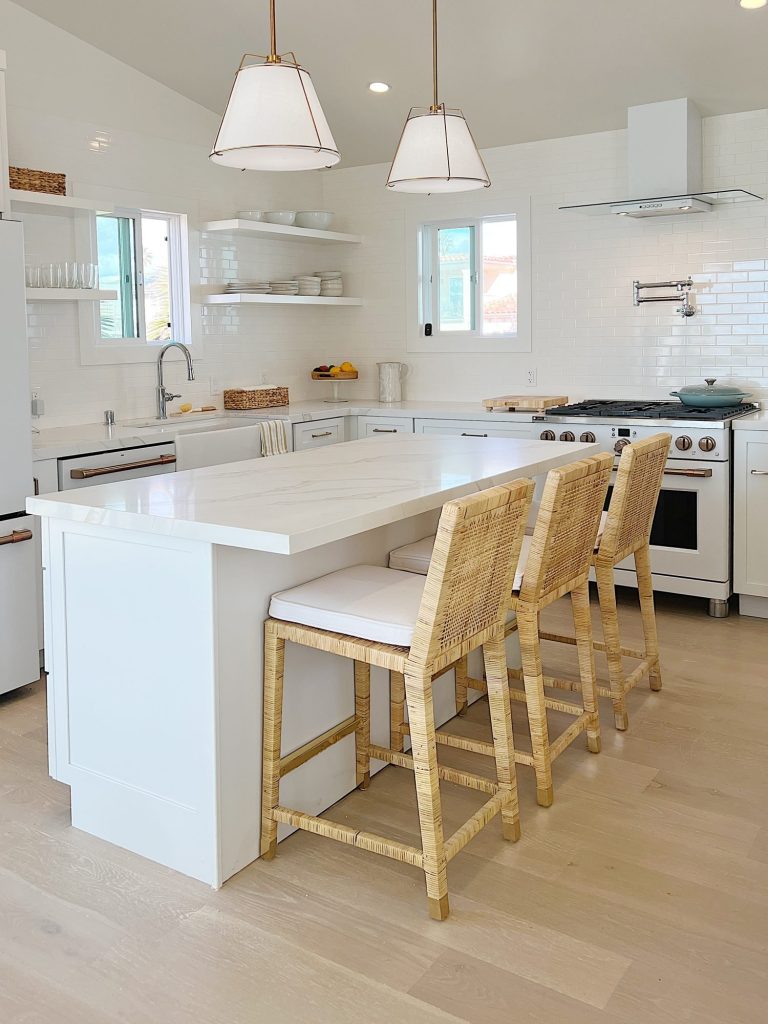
155 594
295 502
61 442
754 421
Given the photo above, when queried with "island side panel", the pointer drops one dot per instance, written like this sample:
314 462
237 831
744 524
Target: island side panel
131 626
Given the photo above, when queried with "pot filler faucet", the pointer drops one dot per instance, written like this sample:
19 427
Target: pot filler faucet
163 396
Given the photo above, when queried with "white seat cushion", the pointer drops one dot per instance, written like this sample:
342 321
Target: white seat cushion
365 601
413 557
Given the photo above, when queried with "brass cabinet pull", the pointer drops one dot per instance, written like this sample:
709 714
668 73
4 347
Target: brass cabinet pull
328 433
382 430
759 472
688 472
16 537
465 434
86 474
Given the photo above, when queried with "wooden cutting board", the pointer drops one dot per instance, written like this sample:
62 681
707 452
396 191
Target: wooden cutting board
524 403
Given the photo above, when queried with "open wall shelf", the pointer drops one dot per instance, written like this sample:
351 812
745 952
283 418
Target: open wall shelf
279 232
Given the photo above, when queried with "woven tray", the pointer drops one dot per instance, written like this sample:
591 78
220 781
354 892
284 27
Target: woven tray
258 398
27 180
524 403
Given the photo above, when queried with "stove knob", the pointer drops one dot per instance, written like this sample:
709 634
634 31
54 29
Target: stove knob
683 443
620 445
567 435
588 437
707 444
547 435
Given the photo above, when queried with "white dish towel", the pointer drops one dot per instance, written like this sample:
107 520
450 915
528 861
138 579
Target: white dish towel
273 437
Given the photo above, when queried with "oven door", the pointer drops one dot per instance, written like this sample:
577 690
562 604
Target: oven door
689 538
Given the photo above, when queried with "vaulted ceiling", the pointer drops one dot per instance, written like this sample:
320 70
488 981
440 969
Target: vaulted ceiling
521 69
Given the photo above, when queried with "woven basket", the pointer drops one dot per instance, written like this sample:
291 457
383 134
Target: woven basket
27 180
258 398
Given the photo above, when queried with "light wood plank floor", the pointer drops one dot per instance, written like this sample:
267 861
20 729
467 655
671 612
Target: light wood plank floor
641 895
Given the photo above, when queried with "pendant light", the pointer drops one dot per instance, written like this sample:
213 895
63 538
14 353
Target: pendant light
273 120
436 152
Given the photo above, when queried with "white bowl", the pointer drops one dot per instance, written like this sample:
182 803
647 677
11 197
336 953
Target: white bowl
250 214
320 219
280 217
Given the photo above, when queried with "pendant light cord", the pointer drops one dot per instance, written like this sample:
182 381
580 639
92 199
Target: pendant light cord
435 104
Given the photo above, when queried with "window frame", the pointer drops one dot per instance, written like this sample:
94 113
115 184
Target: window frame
96 350
423 296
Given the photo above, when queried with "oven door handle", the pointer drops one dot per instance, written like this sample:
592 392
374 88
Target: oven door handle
758 472
86 474
700 473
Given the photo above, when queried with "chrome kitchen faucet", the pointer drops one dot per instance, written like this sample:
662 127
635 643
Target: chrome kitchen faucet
163 396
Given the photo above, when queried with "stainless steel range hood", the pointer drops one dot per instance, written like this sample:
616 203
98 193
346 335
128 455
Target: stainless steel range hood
664 157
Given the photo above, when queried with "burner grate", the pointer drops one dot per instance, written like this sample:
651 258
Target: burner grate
618 409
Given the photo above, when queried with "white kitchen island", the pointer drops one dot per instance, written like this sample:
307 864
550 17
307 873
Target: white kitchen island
155 594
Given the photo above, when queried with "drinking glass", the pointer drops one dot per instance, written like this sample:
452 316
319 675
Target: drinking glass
87 274
71 274
32 276
51 275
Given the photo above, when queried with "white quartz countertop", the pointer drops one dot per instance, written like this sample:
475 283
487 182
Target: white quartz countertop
755 421
81 439
291 503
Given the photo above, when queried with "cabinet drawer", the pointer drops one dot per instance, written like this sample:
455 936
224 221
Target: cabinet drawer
383 426
474 428
318 433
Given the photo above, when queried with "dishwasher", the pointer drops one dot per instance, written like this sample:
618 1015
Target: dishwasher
123 464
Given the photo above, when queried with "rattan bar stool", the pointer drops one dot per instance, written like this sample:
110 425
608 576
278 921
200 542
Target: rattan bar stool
414 627
554 562
627 532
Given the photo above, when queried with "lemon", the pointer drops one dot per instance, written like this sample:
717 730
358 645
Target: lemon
335 371
347 367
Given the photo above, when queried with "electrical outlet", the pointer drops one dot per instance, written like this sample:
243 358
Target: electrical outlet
531 377
37 405
35 394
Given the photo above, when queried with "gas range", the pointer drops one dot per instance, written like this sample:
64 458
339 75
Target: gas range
698 433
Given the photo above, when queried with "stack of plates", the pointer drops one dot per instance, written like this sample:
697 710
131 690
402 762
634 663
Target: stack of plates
284 287
258 287
309 285
330 282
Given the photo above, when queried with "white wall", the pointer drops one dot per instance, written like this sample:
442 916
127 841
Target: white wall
588 338
133 135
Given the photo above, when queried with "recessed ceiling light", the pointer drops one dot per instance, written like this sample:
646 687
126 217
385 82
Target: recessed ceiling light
752 5
383 87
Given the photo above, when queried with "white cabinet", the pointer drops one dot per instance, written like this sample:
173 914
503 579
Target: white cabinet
19 646
317 433
383 426
473 428
750 525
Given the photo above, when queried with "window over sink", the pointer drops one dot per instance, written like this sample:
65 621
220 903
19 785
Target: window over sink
143 255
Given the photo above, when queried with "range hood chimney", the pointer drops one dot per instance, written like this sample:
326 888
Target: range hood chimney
665 164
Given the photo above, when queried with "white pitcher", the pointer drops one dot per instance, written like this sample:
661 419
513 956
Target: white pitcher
391 381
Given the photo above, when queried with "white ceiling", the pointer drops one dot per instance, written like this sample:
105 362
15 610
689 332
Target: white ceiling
521 69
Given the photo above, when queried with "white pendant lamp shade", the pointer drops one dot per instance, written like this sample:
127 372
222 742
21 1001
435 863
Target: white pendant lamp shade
274 122
437 154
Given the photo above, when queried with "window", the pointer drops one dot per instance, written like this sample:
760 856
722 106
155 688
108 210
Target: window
139 254
473 285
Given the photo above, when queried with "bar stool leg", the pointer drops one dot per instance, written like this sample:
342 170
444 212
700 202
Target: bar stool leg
274 670
363 726
495 655
582 622
645 593
396 710
610 619
421 717
530 653
461 672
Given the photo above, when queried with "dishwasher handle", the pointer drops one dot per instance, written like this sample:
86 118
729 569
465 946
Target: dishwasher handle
87 474
16 537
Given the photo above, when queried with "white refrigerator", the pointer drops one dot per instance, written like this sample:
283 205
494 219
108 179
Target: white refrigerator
19 656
